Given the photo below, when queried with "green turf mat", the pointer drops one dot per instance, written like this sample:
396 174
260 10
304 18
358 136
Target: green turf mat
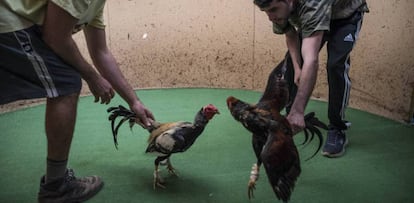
377 167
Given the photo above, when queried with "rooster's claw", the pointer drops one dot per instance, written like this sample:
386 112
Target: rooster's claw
250 189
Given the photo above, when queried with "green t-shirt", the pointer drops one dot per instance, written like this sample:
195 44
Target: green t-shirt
316 15
20 14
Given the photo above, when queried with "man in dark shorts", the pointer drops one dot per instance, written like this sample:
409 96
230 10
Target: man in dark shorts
307 25
39 58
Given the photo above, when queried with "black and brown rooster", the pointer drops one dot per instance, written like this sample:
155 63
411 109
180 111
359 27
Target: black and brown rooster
165 138
272 137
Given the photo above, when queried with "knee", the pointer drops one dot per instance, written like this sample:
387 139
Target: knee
69 98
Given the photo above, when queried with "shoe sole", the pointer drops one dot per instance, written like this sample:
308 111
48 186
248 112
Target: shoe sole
77 200
339 154
90 195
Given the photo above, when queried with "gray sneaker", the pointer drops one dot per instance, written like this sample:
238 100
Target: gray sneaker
335 143
69 188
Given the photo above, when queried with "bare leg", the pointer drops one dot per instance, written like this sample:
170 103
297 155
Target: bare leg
60 124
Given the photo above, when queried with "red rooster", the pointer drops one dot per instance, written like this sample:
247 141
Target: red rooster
272 135
165 138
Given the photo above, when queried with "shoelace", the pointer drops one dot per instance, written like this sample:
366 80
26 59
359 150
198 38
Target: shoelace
70 175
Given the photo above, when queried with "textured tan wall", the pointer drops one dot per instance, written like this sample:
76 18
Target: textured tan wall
383 70
189 43
230 44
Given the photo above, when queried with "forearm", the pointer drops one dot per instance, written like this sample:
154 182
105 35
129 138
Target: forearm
310 55
292 42
306 85
107 66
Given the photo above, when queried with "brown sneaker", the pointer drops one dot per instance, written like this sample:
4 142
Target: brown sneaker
69 188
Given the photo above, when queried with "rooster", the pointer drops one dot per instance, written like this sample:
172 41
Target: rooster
272 135
165 139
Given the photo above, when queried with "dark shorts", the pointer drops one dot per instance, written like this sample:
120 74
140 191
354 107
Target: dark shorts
30 69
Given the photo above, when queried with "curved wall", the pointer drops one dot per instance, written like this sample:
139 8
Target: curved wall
230 44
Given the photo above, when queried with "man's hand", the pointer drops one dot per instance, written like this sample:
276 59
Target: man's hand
100 88
145 118
297 122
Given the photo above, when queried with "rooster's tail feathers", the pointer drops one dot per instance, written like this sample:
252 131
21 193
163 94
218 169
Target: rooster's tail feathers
312 125
126 115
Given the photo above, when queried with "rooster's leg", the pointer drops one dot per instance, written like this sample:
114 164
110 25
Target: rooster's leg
254 176
158 181
170 168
